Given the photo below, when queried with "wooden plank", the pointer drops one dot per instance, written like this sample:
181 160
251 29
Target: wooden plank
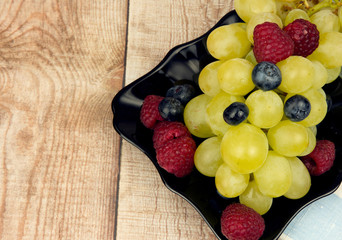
61 64
147 210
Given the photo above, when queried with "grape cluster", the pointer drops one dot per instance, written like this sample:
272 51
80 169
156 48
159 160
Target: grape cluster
258 118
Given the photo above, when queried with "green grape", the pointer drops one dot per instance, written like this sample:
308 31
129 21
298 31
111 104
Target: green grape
319 106
244 148
274 177
301 180
227 42
208 81
240 24
250 57
215 109
325 21
284 8
339 14
288 138
261 18
230 184
333 74
314 130
321 91
312 142
207 157
248 8
329 50
195 116
296 14
235 76
265 108
253 198
294 68
320 77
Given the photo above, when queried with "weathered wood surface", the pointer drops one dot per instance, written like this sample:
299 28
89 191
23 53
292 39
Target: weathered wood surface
61 63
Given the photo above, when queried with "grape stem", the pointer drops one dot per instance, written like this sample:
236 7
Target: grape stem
334 4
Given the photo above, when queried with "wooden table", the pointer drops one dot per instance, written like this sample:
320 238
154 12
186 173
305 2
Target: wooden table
64 172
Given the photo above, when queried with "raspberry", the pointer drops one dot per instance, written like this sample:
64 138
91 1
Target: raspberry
149 113
271 43
241 222
166 131
304 35
177 156
321 159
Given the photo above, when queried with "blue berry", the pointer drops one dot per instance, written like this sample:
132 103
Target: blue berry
297 108
171 109
184 93
266 76
235 113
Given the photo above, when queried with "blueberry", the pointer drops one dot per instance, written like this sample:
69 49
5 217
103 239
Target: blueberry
184 93
171 109
235 113
297 108
266 76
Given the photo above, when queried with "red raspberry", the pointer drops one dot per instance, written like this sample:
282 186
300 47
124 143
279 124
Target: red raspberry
177 156
271 43
149 113
166 131
239 222
304 35
321 158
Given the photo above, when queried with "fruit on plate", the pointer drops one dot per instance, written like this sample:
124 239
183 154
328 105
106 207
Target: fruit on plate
301 180
230 183
228 41
235 113
208 156
294 68
271 43
321 159
177 156
171 109
256 115
149 113
265 108
241 222
235 76
182 92
304 35
252 197
244 148
195 116
175 148
297 108
288 138
274 177
249 8
266 76
166 131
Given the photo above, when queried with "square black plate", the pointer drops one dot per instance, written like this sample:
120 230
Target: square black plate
184 62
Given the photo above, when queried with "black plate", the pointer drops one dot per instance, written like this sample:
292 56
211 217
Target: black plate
184 62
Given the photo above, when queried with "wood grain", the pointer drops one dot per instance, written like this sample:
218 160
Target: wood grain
147 210
61 64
